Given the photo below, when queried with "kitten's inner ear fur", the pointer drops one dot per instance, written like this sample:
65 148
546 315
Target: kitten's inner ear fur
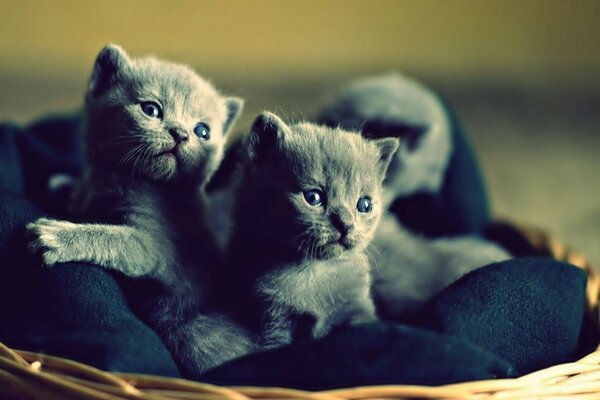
267 133
387 149
110 63
234 107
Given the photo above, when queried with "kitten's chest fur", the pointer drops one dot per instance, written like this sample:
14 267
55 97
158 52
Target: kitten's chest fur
329 291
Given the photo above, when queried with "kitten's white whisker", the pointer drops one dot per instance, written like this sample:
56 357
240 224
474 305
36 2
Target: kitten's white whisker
146 156
130 154
139 158
375 249
305 245
301 249
372 260
313 253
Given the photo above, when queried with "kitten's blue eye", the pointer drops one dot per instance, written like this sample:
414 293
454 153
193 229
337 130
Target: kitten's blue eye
364 204
151 109
314 197
202 131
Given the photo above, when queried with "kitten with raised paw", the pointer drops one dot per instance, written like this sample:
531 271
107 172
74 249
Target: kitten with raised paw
154 133
307 206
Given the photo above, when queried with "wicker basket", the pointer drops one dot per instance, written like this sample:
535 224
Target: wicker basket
25 375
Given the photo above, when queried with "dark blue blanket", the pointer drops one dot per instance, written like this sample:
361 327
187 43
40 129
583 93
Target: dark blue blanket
502 320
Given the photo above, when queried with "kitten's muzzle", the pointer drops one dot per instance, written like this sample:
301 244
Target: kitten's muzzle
336 247
342 240
179 136
342 221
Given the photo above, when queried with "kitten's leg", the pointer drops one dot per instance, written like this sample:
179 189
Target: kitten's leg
205 342
119 247
277 329
361 305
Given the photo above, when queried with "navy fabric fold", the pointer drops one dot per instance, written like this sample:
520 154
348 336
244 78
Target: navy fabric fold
370 354
529 311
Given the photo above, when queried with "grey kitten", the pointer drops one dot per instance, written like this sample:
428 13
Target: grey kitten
307 206
154 134
408 269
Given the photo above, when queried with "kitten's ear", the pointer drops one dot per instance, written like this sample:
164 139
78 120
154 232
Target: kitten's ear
268 131
387 148
234 106
110 63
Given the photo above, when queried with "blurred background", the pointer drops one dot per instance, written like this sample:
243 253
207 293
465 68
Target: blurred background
523 75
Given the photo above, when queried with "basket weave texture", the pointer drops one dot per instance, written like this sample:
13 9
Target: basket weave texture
26 375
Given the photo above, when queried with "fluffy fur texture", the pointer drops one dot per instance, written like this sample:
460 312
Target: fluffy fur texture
154 134
408 270
397 106
300 261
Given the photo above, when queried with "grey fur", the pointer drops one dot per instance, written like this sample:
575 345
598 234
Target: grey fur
147 207
408 269
400 104
297 273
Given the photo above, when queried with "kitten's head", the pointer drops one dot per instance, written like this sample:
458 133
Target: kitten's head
152 119
317 190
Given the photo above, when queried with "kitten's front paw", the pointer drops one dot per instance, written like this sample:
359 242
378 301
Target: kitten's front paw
49 240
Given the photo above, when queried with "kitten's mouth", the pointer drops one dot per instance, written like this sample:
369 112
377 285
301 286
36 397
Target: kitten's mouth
171 152
335 248
331 249
342 242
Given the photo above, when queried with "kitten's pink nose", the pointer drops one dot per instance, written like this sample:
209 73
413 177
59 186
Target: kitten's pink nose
179 135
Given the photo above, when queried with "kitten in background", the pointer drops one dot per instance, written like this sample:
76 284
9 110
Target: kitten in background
408 269
307 206
397 106
154 134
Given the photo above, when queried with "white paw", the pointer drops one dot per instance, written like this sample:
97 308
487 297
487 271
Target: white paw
49 239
